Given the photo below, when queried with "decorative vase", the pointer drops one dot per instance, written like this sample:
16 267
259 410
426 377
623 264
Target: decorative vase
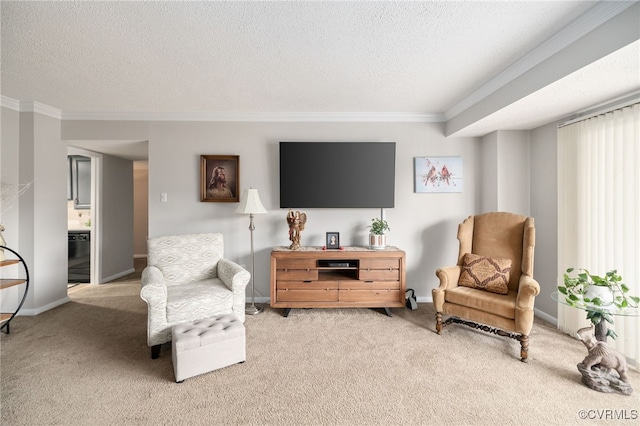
377 242
603 293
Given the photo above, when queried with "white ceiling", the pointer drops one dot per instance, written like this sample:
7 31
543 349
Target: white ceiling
411 60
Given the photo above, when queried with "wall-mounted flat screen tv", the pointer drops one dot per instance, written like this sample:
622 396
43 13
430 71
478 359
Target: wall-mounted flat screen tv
337 174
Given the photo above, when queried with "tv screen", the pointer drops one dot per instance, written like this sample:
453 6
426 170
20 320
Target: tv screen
337 174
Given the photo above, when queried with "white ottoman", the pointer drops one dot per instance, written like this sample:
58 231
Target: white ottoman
205 345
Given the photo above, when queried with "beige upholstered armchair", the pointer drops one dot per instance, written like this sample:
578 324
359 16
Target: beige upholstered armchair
188 279
492 286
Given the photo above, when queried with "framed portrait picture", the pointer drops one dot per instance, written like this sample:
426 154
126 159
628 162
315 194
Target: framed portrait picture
333 240
438 174
220 178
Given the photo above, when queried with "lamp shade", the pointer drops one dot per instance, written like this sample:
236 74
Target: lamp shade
250 203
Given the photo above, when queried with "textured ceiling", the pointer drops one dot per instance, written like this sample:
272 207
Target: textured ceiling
268 57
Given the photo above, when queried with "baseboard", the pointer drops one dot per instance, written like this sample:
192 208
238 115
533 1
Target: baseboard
118 275
546 317
37 311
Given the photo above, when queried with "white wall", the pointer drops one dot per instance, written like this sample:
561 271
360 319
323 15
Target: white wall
424 225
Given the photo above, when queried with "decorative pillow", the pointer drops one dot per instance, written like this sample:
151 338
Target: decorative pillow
485 273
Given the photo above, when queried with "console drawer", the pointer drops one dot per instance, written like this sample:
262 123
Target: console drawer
296 269
296 263
308 294
379 275
297 274
307 285
384 297
369 285
379 269
380 263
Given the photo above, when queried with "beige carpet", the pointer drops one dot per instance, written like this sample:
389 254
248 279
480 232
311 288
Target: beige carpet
87 363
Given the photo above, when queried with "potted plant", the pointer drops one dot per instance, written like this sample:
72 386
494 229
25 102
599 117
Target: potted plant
377 236
597 295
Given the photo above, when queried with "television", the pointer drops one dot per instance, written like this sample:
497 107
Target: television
337 174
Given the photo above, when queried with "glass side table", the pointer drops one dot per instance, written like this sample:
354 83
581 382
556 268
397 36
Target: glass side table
600 329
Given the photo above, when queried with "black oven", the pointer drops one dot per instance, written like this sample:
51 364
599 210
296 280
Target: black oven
79 256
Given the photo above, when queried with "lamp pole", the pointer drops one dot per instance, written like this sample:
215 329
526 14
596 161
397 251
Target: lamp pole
253 309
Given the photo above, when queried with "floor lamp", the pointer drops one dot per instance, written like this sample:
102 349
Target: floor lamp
250 204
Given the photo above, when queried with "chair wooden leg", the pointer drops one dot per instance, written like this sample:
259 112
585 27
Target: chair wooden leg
524 348
438 322
155 351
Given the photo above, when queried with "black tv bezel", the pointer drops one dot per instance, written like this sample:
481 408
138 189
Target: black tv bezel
348 180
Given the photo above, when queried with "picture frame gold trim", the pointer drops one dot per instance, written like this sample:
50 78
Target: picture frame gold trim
228 188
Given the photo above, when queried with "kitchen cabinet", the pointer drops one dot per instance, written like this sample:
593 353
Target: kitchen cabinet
80 181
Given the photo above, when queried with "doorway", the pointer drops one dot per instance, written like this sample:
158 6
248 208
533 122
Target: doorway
80 217
119 206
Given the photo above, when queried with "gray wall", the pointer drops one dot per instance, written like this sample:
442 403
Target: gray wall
544 208
424 225
116 218
140 207
36 224
32 151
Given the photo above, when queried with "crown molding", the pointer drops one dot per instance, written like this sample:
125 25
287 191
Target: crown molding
587 22
377 117
30 106
9 103
259 116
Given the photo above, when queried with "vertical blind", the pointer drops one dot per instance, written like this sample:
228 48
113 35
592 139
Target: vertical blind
599 212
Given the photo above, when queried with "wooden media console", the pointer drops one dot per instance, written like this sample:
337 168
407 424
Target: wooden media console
354 277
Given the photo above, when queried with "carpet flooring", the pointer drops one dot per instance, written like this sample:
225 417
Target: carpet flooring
87 363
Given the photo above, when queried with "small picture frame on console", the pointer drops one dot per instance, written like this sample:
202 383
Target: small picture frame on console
333 240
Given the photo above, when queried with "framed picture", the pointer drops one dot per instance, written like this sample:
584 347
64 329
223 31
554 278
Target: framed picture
220 178
333 240
438 174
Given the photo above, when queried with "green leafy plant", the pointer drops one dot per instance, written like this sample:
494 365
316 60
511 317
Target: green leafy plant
576 292
379 226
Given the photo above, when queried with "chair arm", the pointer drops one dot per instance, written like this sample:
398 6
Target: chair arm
448 279
154 292
528 289
234 276
154 288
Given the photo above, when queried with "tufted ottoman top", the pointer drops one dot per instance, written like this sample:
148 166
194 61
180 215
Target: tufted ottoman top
206 331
